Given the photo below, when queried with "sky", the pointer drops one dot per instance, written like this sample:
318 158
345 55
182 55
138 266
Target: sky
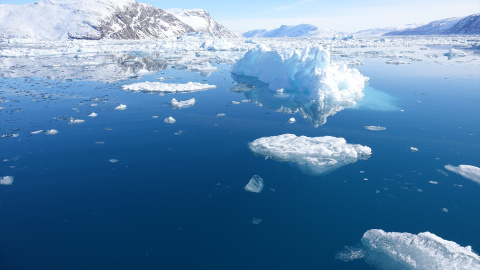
339 15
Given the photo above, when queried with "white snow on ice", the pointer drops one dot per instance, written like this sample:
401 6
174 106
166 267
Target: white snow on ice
467 171
424 251
314 155
162 87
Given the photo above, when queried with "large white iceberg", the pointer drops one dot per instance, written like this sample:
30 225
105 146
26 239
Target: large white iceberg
394 250
317 155
167 87
467 171
330 87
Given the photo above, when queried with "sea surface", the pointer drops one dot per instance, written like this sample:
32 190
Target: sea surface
125 190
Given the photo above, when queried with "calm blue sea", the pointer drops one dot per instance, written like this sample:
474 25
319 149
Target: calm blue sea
176 201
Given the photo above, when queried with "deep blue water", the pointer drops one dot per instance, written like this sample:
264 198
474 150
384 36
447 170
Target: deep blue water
177 201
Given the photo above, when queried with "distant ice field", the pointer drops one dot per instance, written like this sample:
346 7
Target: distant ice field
127 190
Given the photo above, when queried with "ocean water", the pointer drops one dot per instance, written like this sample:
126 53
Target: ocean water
174 198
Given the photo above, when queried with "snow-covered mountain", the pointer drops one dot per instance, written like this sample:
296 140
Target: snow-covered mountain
201 21
469 25
98 19
382 31
301 30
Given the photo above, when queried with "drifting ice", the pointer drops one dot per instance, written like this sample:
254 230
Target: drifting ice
121 107
255 184
51 132
6 180
394 250
162 87
375 128
169 120
317 155
183 103
467 171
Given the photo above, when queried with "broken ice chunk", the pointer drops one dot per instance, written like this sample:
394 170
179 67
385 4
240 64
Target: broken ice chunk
375 128
291 120
6 180
93 115
255 184
76 121
170 120
467 171
182 104
121 107
51 132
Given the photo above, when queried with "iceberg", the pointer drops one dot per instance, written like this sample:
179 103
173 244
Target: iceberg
255 184
330 86
467 171
311 84
6 180
317 155
182 104
162 87
395 250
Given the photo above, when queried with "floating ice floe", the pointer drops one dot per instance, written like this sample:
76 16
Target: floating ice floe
36 132
398 62
220 114
169 120
329 86
425 251
183 103
6 180
51 132
162 87
255 184
112 160
120 107
467 171
235 102
76 121
314 155
291 120
375 128
93 114
255 221
413 149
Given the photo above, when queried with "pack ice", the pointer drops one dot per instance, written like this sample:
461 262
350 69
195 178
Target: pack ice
330 86
395 250
317 155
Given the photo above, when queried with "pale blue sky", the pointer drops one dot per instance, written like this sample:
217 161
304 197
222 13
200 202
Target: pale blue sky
339 15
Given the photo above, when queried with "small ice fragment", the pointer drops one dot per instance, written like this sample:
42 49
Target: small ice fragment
220 114
291 120
51 132
6 180
94 105
375 128
365 179
414 149
155 116
246 100
433 182
93 115
101 142
76 121
182 104
113 160
445 210
121 107
15 135
255 184
169 120
235 102
36 132
255 221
